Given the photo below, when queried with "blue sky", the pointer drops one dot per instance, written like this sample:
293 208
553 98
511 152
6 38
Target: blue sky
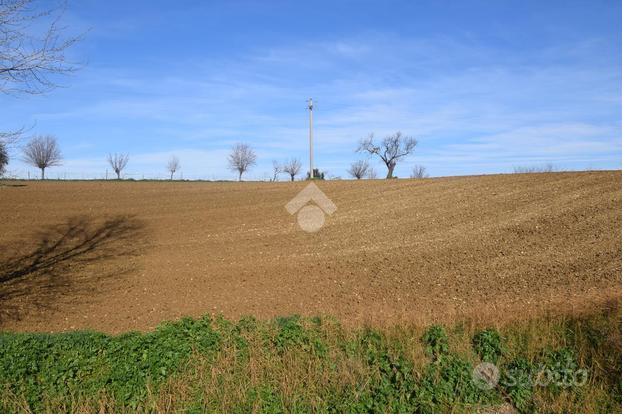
483 85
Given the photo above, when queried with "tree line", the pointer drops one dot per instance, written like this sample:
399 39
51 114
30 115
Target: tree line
44 152
29 61
33 44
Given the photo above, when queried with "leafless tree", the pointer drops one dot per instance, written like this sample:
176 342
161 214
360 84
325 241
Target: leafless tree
544 168
29 57
32 50
292 167
276 170
359 169
390 150
11 138
118 162
242 157
173 165
4 158
43 152
372 174
419 171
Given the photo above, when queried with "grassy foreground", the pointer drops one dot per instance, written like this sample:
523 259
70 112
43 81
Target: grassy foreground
555 364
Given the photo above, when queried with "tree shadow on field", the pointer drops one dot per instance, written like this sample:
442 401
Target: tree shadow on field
11 185
66 260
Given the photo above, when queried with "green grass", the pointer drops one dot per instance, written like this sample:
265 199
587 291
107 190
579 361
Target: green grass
297 365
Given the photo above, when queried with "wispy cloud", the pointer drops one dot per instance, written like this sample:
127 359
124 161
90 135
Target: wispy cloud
473 108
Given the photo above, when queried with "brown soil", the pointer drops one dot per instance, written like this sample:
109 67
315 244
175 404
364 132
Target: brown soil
118 256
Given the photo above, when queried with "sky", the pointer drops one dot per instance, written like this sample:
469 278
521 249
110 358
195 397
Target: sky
484 86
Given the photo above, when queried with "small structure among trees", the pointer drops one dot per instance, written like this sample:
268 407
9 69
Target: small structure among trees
43 152
317 174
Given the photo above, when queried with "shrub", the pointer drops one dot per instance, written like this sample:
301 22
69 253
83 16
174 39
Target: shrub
289 365
518 384
449 383
436 342
37 366
488 345
561 366
544 168
291 334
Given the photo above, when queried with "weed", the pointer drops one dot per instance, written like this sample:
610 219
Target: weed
301 365
37 366
436 342
488 345
518 384
292 333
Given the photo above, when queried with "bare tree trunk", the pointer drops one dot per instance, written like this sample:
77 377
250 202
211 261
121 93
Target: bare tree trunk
118 175
43 173
240 176
293 176
390 168
171 176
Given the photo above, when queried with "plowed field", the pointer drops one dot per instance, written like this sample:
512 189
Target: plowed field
118 256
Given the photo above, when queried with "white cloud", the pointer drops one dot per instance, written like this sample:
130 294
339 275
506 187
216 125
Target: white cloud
473 109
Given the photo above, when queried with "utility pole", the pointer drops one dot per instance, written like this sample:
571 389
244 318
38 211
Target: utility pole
310 101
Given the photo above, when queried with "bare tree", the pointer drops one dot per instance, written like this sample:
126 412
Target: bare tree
276 170
4 158
43 152
11 138
419 171
359 169
29 57
173 165
32 51
242 157
292 167
390 150
372 174
118 162
544 168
